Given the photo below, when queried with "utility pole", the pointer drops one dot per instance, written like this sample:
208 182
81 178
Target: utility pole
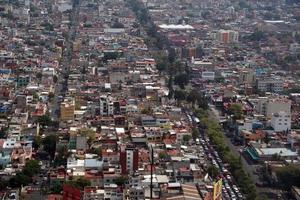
151 178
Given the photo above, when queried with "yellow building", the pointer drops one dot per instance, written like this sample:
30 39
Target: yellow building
67 109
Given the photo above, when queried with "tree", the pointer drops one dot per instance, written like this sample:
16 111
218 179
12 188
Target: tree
192 96
31 168
61 156
49 144
186 138
37 140
181 80
55 79
161 62
236 110
44 120
213 171
39 76
162 155
120 180
3 132
179 95
18 180
288 176
79 183
195 133
117 25
56 186
3 184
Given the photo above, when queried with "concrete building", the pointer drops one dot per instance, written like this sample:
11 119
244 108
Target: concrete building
67 109
281 121
246 77
93 193
208 75
106 105
128 160
268 106
136 193
269 84
226 36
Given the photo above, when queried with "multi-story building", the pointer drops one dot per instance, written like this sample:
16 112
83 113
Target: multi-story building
264 84
227 36
67 109
246 77
106 105
281 121
93 193
268 106
129 158
136 193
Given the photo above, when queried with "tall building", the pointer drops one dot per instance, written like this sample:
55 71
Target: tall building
129 158
246 77
268 106
106 105
281 121
264 84
227 36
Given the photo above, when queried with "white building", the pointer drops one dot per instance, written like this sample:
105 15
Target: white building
106 106
281 121
208 75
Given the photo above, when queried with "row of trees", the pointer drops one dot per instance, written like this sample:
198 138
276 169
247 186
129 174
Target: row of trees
214 133
288 176
194 97
166 58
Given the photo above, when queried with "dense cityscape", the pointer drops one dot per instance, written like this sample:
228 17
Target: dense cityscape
149 99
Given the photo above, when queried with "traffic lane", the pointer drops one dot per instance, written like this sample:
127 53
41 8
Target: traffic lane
211 154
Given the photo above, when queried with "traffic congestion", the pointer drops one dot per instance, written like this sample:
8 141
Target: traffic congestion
230 190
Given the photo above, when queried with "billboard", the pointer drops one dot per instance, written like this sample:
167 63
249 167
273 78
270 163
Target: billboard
217 193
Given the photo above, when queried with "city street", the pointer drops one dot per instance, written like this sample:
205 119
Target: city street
61 86
249 167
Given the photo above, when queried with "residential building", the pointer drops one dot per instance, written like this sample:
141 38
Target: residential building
269 84
281 121
267 106
129 158
67 109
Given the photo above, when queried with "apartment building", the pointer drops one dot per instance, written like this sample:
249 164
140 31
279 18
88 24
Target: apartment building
281 121
264 84
267 106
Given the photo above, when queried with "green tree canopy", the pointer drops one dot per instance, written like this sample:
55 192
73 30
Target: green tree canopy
49 143
213 171
79 183
236 110
181 80
289 176
120 180
31 168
